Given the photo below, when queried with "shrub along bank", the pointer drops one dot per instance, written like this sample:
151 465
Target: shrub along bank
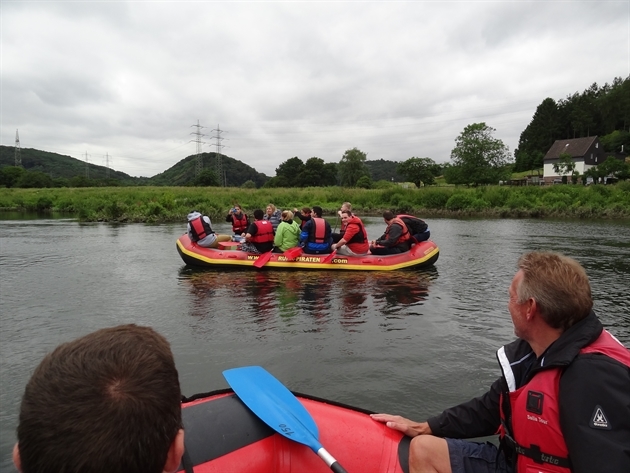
172 204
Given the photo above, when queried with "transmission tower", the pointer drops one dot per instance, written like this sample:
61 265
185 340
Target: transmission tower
107 164
18 155
87 166
198 134
218 139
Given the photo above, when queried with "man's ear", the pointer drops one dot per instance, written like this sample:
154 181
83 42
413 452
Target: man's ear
16 457
175 453
532 308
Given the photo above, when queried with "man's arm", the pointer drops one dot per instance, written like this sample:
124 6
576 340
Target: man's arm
351 230
478 417
595 414
395 231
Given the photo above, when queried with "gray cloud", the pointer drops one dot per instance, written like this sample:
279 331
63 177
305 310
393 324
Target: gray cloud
395 79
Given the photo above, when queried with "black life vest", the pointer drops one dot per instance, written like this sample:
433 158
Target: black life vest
199 229
414 224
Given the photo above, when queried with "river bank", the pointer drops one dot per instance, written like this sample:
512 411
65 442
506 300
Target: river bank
172 204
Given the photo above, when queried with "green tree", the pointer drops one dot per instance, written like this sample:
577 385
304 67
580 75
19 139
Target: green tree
249 185
481 158
564 166
207 177
10 175
537 137
365 182
290 168
418 170
311 175
33 179
352 166
613 167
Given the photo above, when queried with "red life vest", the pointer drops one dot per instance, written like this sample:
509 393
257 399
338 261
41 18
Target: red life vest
318 230
361 235
264 232
239 225
405 233
199 229
536 435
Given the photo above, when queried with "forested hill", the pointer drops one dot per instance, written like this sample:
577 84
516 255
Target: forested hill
236 173
598 111
61 166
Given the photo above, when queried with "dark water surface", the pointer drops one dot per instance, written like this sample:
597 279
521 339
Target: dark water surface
409 342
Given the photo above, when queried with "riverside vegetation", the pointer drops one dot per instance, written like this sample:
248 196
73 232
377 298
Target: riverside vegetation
172 204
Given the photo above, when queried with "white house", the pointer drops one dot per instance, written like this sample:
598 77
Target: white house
585 152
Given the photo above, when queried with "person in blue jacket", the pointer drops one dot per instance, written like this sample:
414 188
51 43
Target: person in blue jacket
316 234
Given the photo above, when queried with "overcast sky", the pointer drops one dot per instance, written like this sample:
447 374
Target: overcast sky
282 79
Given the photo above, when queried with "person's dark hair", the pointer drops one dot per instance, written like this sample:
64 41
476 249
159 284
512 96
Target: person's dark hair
259 214
388 215
558 284
106 402
347 212
317 210
306 210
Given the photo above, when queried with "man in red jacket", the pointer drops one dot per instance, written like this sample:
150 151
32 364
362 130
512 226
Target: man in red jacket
561 404
354 240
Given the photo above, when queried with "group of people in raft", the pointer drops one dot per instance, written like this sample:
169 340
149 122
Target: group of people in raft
277 231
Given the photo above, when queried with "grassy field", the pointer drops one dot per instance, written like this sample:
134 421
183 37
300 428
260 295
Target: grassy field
171 204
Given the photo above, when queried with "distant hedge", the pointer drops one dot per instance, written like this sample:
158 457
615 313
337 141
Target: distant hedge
171 204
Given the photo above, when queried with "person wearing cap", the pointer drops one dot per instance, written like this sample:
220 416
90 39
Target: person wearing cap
562 402
200 231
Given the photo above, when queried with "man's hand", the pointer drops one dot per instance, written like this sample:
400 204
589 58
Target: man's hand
406 426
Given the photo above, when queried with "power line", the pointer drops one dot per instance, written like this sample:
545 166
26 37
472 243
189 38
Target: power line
18 149
219 163
198 134
87 165
107 164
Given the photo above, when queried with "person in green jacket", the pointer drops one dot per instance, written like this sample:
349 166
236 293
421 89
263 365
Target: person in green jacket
287 233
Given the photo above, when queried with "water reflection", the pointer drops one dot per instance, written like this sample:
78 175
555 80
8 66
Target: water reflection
306 300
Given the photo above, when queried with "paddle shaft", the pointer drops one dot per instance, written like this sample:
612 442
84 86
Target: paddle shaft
330 461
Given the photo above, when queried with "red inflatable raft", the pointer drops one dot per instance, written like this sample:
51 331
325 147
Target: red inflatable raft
224 436
421 255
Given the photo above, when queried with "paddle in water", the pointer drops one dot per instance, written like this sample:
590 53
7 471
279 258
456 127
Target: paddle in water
277 407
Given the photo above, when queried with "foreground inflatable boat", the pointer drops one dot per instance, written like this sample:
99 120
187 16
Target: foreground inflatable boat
421 255
224 436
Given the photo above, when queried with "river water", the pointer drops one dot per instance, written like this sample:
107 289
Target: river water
411 342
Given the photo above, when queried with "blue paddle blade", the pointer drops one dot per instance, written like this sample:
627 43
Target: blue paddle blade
274 404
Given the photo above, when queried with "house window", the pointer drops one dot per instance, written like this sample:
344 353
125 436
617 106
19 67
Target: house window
596 145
